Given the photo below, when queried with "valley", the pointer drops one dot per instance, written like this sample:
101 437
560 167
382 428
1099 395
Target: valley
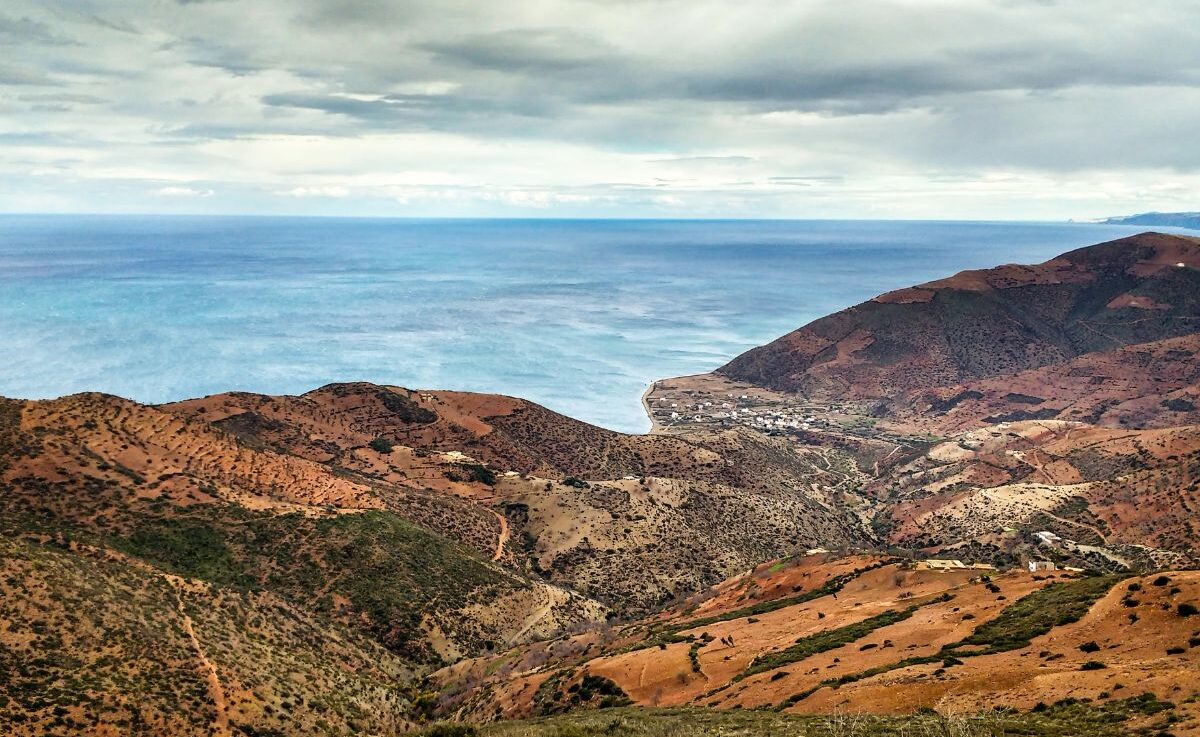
975 499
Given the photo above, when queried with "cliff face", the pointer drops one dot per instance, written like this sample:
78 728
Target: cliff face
983 324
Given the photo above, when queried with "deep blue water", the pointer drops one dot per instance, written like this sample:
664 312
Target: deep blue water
577 315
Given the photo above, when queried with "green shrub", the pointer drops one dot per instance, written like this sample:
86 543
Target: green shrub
381 445
405 409
465 472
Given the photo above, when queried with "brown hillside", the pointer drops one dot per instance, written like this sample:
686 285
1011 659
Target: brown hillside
92 642
585 507
889 640
191 499
1096 486
1155 384
981 324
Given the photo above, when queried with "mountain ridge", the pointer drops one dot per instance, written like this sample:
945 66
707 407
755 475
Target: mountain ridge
983 323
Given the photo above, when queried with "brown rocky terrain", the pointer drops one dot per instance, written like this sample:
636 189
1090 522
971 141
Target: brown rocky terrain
375 515
996 404
363 558
189 498
1136 492
1144 385
583 506
981 324
817 635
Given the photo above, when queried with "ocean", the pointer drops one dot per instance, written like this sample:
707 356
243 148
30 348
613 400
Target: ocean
577 315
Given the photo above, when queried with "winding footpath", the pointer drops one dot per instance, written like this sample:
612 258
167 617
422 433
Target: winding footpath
215 689
503 539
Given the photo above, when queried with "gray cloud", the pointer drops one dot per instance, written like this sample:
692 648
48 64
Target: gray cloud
63 98
17 31
411 101
538 50
13 74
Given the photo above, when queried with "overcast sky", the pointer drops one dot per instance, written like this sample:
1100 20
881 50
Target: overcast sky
1006 109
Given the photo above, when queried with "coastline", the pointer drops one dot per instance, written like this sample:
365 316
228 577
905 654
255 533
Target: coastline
654 426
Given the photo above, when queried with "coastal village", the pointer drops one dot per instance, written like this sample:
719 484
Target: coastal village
709 402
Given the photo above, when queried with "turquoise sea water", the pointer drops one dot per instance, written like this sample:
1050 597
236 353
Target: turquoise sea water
577 315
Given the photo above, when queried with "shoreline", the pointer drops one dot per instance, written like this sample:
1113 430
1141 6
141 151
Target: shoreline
654 426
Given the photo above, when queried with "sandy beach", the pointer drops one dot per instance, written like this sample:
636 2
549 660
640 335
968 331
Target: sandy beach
654 426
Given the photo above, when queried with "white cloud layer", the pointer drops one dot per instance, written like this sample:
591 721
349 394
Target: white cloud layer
858 108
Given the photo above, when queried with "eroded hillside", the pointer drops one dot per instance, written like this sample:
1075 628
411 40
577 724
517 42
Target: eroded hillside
816 635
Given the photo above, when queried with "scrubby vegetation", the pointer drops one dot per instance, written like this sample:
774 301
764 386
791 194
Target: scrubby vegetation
382 445
830 639
567 690
189 547
467 472
670 633
1068 718
1035 614
386 572
10 418
94 642
405 409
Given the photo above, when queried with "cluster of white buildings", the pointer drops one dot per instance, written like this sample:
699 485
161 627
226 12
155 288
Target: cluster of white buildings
782 421
735 412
